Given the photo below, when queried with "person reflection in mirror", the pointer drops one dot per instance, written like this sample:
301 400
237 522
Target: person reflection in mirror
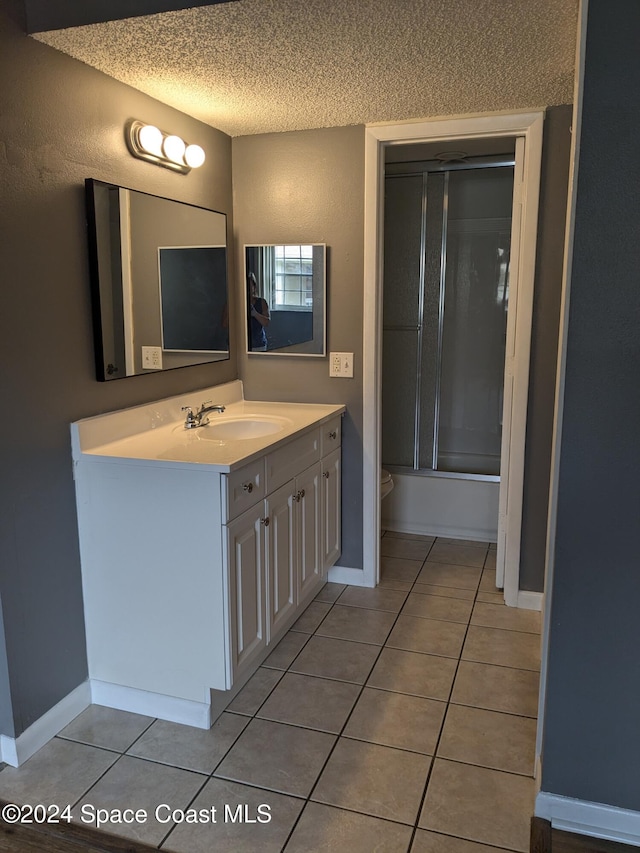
259 316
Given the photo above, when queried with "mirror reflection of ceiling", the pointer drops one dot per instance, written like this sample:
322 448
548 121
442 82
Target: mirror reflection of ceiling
260 66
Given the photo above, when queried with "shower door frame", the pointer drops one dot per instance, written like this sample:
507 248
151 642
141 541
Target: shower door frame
526 128
400 170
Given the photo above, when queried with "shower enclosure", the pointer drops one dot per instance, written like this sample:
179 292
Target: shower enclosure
446 287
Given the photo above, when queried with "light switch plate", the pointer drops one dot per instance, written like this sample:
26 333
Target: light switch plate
152 358
341 364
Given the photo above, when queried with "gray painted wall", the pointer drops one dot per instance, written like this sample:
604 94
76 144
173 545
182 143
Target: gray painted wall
308 187
591 746
544 344
61 122
6 706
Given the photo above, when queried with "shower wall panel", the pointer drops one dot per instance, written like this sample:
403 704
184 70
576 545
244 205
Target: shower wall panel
403 247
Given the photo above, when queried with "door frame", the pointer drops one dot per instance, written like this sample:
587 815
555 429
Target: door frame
528 127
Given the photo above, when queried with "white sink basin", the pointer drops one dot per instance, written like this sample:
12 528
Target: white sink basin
235 429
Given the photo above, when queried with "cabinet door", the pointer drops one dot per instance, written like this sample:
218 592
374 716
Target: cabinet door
281 550
247 572
309 506
331 509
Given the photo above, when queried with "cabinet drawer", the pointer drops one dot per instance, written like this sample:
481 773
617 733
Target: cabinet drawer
244 488
294 457
331 435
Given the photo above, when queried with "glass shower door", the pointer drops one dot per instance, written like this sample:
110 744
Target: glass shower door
474 331
402 309
447 243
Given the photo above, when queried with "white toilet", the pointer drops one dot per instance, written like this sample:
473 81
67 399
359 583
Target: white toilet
386 483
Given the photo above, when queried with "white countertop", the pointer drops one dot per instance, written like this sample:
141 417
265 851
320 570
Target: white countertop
166 441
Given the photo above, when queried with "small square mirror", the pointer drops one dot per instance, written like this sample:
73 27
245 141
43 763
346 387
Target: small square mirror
286 299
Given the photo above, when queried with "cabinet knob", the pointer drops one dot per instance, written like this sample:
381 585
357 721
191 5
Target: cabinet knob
325 474
333 434
248 487
301 493
265 521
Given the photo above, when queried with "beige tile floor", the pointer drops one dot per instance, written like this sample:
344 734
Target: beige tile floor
393 719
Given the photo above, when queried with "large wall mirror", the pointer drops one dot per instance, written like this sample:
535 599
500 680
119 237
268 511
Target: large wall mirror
159 280
286 299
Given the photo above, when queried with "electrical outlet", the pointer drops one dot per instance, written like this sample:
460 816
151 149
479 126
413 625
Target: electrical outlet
152 358
341 364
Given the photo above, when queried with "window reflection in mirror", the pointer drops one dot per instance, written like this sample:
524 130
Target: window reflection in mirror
285 299
159 279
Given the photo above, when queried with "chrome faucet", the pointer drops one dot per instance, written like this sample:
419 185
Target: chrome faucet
196 420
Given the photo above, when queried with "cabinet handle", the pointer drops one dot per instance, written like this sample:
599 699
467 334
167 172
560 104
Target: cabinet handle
301 493
265 521
326 475
248 487
333 434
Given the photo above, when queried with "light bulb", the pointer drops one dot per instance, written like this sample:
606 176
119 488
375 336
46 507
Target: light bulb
150 139
174 148
194 156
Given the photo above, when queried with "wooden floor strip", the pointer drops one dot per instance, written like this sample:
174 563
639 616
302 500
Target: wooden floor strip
540 836
544 839
64 838
75 838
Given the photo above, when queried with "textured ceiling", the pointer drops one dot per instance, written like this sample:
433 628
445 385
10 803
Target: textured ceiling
257 66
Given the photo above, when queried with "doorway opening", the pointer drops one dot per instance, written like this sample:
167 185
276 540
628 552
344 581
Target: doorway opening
525 131
447 240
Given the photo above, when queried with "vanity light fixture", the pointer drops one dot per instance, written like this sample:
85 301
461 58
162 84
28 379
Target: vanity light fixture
165 149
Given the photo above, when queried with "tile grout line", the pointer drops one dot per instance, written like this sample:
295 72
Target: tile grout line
349 715
450 703
105 749
346 722
338 734
444 718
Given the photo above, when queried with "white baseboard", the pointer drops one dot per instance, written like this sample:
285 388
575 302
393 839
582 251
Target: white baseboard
343 574
530 600
597 820
15 751
472 534
184 711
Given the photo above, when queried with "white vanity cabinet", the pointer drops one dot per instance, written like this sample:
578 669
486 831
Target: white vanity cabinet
198 555
246 567
308 530
277 552
331 440
273 558
331 505
199 552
